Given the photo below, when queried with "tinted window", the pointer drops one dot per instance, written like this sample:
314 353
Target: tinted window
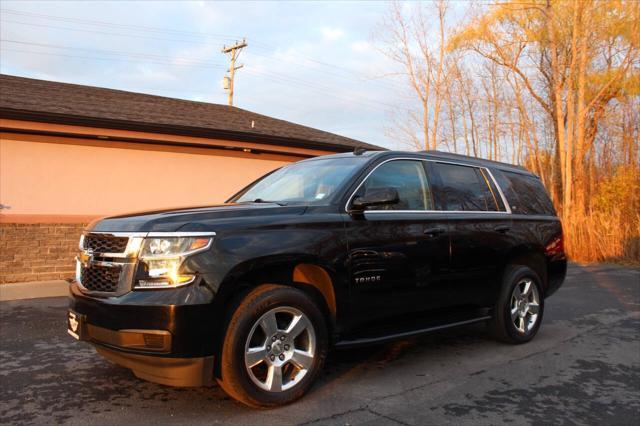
408 178
305 182
463 188
531 196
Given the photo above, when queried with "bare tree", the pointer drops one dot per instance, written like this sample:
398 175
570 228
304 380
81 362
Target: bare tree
551 84
407 37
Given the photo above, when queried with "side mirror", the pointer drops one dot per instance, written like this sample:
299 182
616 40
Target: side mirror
375 197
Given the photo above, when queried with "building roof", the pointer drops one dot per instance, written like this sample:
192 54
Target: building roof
63 103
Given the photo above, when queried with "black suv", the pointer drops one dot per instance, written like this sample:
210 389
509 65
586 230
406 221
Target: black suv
342 250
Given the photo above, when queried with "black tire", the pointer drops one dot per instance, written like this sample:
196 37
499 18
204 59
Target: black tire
502 325
236 378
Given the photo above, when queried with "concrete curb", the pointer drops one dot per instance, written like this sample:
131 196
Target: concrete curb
33 290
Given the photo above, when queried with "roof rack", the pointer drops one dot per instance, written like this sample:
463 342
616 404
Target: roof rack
453 156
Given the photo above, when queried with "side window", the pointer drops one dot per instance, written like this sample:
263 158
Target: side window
408 177
463 188
531 196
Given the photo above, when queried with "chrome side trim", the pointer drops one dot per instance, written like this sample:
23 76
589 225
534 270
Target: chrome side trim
504 200
433 212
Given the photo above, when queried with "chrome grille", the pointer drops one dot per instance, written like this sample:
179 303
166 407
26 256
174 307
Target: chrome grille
105 243
100 278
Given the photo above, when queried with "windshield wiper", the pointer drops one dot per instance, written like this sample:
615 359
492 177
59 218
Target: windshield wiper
260 200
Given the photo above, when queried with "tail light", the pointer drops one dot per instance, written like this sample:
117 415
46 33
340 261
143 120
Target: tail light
555 246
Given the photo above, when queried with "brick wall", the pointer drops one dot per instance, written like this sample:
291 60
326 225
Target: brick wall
37 252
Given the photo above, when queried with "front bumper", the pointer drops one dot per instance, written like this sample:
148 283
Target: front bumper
165 336
182 372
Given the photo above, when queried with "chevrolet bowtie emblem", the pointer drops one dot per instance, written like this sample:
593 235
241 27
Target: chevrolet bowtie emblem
86 258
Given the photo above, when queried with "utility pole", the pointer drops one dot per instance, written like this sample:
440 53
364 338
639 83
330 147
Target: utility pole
235 52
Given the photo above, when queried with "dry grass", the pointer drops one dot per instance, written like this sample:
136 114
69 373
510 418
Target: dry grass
603 237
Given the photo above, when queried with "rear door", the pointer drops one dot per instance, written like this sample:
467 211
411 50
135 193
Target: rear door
397 253
480 227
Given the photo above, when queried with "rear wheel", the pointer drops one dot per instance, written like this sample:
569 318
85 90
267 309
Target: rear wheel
274 348
519 309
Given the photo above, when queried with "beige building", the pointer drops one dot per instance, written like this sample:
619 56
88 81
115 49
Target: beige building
70 154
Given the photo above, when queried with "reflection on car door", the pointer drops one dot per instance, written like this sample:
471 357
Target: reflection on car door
480 231
397 252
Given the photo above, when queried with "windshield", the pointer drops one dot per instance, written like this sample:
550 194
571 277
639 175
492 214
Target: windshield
307 182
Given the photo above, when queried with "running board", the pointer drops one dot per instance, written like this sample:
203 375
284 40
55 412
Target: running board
412 333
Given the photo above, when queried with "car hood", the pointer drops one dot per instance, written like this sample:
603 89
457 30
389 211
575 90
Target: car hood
208 218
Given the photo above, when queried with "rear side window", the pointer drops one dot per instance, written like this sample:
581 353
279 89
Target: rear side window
408 177
531 196
463 188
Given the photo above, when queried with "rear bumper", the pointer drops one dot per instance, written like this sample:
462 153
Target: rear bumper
164 370
557 271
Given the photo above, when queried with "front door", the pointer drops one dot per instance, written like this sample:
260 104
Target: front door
397 253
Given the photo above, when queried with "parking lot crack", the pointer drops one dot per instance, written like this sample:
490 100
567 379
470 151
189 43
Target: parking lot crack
336 415
400 422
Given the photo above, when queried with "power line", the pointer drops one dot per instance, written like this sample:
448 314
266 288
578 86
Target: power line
270 76
168 60
107 59
288 81
116 25
109 33
275 78
265 46
159 59
358 78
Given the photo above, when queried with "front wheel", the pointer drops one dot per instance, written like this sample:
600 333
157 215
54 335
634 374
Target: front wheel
274 347
518 312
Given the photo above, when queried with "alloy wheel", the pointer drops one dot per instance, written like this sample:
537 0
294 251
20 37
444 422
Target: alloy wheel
280 349
525 305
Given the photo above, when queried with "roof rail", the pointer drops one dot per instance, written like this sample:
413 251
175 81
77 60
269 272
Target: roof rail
451 155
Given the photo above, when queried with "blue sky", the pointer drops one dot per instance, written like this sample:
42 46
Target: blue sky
313 63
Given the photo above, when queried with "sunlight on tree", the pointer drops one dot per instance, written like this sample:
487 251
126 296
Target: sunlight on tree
552 85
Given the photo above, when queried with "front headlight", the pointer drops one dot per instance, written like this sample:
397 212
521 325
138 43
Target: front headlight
162 257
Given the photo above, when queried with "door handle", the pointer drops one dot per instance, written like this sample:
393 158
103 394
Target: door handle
502 228
434 231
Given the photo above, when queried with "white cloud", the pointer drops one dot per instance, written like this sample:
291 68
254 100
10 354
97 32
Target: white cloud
360 46
331 34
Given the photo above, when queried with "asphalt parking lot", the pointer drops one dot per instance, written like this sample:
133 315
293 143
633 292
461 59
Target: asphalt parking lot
582 368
